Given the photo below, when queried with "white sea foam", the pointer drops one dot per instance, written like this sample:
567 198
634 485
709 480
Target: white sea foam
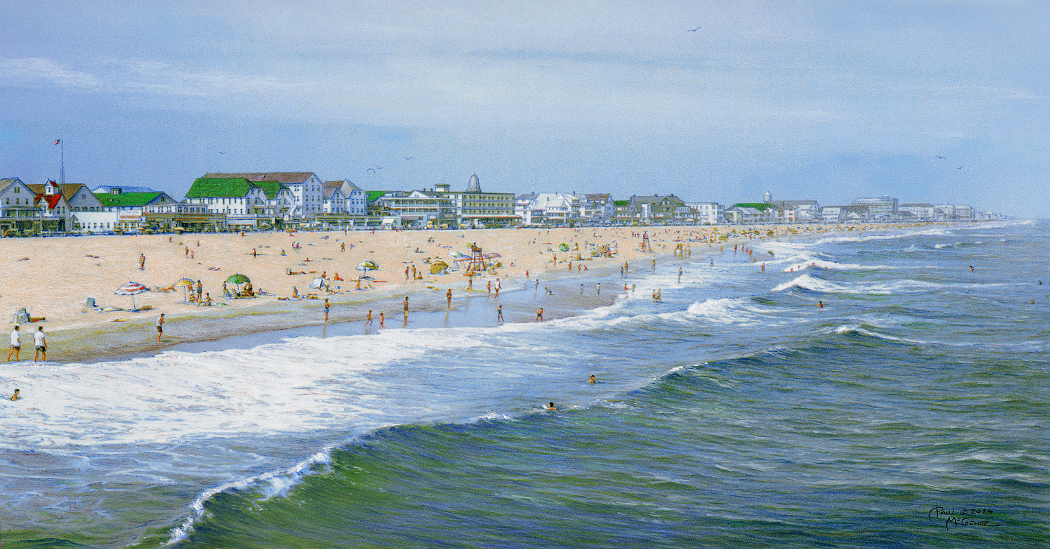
273 388
807 282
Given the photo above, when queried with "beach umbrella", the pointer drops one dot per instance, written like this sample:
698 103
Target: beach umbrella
437 265
184 283
238 279
131 288
563 247
367 265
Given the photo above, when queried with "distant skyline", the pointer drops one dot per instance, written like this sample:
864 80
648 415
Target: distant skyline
927 101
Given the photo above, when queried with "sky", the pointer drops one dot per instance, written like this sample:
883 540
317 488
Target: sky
939 101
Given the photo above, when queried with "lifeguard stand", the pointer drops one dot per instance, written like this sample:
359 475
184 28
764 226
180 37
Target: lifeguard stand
477 263
646 246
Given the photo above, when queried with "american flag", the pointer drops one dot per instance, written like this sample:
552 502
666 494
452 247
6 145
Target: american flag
58 141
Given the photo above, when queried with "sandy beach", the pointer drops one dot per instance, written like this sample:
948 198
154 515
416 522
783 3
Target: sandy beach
53 278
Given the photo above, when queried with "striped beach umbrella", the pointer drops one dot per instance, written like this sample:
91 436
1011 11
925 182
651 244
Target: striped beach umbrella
131 288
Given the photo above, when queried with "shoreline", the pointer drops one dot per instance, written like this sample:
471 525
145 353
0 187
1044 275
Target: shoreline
188 325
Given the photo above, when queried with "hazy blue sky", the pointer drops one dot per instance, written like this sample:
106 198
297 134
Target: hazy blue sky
826 100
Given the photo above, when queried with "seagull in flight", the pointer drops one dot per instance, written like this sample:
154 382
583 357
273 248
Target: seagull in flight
694 30
370 170
408 158
939 156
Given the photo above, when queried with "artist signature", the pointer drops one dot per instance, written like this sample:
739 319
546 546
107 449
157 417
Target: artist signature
964 516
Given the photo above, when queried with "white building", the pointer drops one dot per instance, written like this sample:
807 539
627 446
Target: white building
354 200
598 208
551 209
708 213
307 189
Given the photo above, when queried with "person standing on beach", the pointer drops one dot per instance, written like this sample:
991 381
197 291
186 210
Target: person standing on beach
16 344
488 287
326 307
448 298
499 314
40 344
539 315
368 319
382 321
160 326
679 275
142 262
599 293
406 307
200 290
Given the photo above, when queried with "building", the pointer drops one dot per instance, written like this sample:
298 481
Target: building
307 189
476 208
597 208
796 211
550 209
919 211
87 214
412 209
54 208
130 206
659 209
241 201
183 216
880 208
707 213
354 199
18 211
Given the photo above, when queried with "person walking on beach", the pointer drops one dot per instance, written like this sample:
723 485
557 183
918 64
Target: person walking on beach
382 321
599 289
499 314
679 275
160 326
448 298
40 344
406 307
368 319
326 307
16 344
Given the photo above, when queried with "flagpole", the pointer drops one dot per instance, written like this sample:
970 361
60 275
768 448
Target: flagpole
62 167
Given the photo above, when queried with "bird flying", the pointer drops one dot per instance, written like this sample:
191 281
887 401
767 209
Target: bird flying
693 30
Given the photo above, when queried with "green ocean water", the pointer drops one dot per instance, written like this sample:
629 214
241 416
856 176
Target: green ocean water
909 411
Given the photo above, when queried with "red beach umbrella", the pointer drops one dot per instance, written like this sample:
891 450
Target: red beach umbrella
131 288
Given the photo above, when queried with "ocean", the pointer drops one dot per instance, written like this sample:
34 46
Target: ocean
889 388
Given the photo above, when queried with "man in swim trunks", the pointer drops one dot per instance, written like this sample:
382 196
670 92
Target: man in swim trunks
539 314
16 344
160 326
40 344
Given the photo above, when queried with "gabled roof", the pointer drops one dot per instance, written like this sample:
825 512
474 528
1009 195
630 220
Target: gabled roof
220 187
598 197
287 178
6 183
68 190
271 188
51 200
131 199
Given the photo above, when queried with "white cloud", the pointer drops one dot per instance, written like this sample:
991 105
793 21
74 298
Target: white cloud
34 71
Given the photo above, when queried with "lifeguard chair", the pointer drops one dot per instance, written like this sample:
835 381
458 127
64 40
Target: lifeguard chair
476 263
646 246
